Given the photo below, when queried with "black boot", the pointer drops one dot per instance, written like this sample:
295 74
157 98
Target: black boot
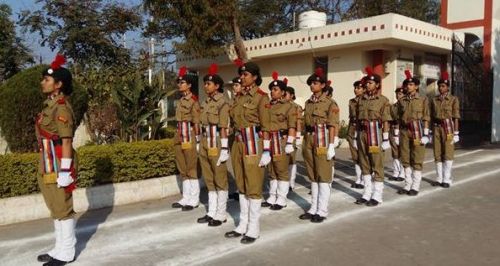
232 234
360 201
176 205
445 185
372 203
214 222
188 208
412 192
265 204
56 262
436 184
277 207
306 216
403 192
204 219
247 240
317 219
44 258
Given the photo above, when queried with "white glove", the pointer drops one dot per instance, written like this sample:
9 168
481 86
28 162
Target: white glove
298 140
265 159
289 145
355 140
223 157
385 141
456 138
336 141
425 139
331 152
64 178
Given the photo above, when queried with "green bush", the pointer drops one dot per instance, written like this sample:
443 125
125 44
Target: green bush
21 100
97 164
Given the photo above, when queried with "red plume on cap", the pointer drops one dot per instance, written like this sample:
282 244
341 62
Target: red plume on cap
444 76
369 71
213 69
318 71
328 83
58 62
275 75
182 71
285 80
238 62
408 74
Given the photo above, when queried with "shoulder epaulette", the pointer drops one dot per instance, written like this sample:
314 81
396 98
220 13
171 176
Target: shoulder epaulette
194 97
61 101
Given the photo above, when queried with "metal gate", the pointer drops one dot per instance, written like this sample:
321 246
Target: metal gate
473 86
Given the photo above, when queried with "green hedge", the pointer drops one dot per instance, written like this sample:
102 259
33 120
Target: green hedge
97 164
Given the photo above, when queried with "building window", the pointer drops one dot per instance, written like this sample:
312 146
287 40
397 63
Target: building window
322 62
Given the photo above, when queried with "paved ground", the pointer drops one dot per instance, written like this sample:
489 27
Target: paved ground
457 226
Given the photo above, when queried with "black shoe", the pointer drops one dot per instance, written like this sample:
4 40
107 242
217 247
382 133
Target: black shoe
44 258
392 178
359 186
265 204
445 185
317 219
214 222
247 240
354 185
290 189
372 203
403 192
277 207
204 219
436 184
306 216
412 192
399 179
56 262
361 201
176 205
188 208
232 234
309 192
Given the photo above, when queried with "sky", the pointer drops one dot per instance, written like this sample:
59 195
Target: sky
32 41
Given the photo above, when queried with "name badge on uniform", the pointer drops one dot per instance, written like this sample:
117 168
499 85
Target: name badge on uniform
321 137
373 137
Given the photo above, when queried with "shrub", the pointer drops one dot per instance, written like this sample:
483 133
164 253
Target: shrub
97 164
21 100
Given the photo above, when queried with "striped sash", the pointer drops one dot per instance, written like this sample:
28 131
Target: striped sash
448 126
250 137
373 136
321 137
211 133
185 134
49 160
416 131
275 143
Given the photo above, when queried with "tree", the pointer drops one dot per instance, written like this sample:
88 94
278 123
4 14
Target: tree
87 31
14 55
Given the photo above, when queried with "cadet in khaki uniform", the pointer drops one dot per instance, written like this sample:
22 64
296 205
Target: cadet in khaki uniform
329 93
250 116
413 120
398 170
186 143
373 116
237 90
292 167
445 113
57 174
214 149
359 91
321 119
283 117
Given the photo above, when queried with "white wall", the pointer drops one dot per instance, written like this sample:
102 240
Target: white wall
495 64
465 10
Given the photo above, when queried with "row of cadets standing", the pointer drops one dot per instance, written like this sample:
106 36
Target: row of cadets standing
282 131
321 121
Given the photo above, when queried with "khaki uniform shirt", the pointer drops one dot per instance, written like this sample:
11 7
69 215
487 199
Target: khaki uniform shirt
251 109
412 108
323 111
188 109
57 118
215 111
446 107
372 108
283 115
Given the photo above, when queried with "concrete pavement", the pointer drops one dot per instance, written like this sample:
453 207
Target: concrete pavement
457 226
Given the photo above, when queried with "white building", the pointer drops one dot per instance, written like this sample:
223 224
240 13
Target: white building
389 43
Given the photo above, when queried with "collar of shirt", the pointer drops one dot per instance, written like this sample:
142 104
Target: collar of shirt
370 97
315 99
215 96
443 96
414 96
51 100
250 90
187 95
